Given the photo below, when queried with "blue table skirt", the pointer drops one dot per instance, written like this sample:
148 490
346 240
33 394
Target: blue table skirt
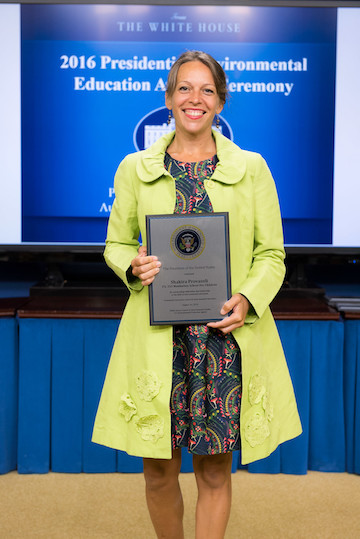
352 395
8 394
314 352
62 365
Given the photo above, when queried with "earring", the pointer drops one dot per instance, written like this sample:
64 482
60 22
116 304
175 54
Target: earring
169 117
217 122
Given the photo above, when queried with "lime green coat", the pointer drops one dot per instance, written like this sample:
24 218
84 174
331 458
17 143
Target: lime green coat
133 413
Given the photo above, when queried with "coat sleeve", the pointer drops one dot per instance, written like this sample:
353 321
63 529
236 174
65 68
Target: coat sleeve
267 270
122 240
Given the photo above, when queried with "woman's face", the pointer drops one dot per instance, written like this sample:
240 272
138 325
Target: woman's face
195 100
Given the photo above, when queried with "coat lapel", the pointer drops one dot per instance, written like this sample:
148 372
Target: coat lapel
230 169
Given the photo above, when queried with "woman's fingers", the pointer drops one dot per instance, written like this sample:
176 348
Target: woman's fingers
145 267
231 304
143 263
227 325
147 273
239 306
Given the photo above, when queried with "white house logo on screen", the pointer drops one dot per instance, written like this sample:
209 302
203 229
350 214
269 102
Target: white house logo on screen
187 242
154 125
179 23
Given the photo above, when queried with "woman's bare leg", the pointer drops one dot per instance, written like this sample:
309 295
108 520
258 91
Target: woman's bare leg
213 477
163 495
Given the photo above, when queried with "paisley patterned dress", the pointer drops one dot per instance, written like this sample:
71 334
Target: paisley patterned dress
206 386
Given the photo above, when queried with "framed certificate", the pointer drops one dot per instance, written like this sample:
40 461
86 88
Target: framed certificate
194 279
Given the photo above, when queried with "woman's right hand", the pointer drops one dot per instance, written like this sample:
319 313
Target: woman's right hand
145 267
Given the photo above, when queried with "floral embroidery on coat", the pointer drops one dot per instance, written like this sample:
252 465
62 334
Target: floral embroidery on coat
257 426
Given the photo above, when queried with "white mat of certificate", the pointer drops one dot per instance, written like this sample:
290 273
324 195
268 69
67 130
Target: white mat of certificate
194 278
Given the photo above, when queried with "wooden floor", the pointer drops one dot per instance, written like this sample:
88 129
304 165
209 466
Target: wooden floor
101 506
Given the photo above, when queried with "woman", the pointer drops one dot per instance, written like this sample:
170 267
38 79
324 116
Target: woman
198 369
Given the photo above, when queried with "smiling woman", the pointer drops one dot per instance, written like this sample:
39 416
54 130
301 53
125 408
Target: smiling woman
196 92
227 382
194 103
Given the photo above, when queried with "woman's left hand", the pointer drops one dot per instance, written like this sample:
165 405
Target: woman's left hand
239 306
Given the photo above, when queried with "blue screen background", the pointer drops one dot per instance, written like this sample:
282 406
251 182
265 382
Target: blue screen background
73 140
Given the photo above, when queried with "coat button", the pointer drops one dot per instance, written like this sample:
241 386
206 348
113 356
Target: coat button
210 184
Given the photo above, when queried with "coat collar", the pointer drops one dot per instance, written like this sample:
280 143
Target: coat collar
230 169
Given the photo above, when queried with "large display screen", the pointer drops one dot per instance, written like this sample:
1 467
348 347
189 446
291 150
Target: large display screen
85 85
